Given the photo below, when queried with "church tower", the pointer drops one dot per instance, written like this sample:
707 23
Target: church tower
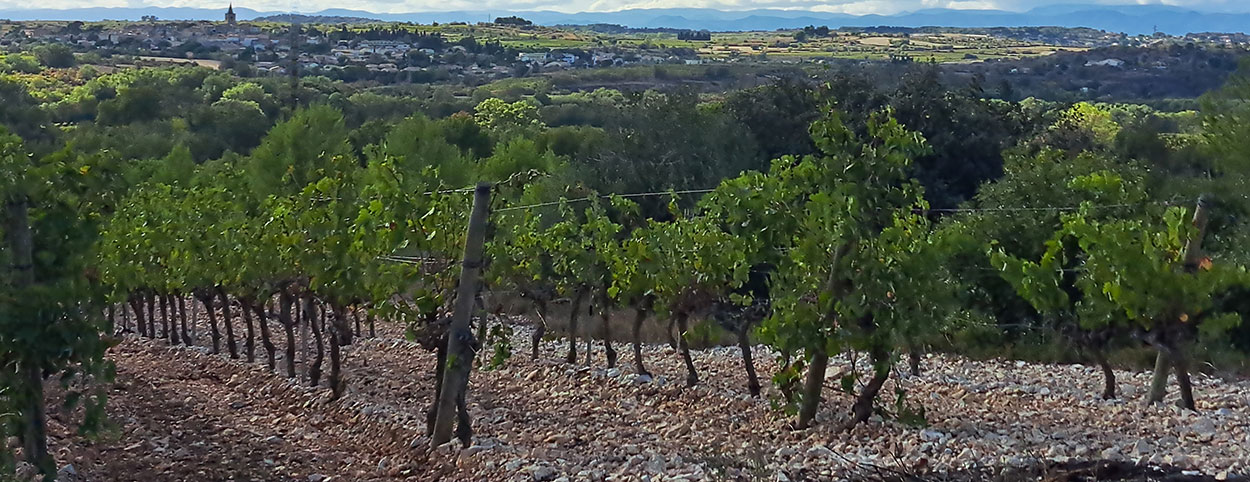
230 18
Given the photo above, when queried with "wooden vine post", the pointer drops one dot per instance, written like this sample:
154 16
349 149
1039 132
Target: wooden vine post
1165 360
34 424
460 341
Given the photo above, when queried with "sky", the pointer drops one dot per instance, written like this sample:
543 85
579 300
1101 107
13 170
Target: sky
857 7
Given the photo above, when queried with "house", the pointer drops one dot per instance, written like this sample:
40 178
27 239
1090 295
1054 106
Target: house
1117 63
603 58
381 45
531 57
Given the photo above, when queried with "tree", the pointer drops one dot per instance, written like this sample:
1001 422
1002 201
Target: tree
55 55
518 156
750 207
328 243
668 141
251 92
227 125
966 134
778 116
1082 127
513 20
507 119
291 155
462 131
22 115
416 143
1226 123
520 261
19 63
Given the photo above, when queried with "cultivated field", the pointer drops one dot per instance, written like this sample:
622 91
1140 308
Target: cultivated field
184 414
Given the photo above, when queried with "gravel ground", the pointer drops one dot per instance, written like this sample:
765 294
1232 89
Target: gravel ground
184 414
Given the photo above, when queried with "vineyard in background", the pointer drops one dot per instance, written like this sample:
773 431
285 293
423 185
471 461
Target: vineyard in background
314 237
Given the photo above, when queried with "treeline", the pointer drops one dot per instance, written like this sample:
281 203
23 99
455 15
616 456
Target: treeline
1166 71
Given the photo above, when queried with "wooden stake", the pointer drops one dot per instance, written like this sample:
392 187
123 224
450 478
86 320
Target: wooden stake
34 421
460 342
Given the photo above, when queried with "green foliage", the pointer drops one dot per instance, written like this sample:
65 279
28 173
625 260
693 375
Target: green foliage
140 95
249 92
417 143
862 268
293 153
55 55
517 156
1082 127
173 180
21 115
362 106
853 225
1087 117
500 341
578 246
1130 272
507 119
1016 214
50 323
1226 122
967 134
666 141
19 63
778 116
463 132
686 263
227 125
1225 129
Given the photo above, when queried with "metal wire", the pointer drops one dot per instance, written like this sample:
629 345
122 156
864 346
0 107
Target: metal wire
605 196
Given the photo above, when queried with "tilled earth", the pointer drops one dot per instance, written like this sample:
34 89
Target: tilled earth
183 414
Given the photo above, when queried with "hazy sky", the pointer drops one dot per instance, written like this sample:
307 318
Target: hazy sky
844 6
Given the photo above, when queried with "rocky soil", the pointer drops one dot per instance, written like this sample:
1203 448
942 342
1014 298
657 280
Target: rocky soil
182 414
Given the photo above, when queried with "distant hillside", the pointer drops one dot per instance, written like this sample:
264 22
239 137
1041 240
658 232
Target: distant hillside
1132 19
306 19
126 13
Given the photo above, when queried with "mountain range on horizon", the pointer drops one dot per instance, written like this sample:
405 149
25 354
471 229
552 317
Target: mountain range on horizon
1131 19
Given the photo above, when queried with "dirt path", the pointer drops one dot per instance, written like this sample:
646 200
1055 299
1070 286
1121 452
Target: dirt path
182 415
